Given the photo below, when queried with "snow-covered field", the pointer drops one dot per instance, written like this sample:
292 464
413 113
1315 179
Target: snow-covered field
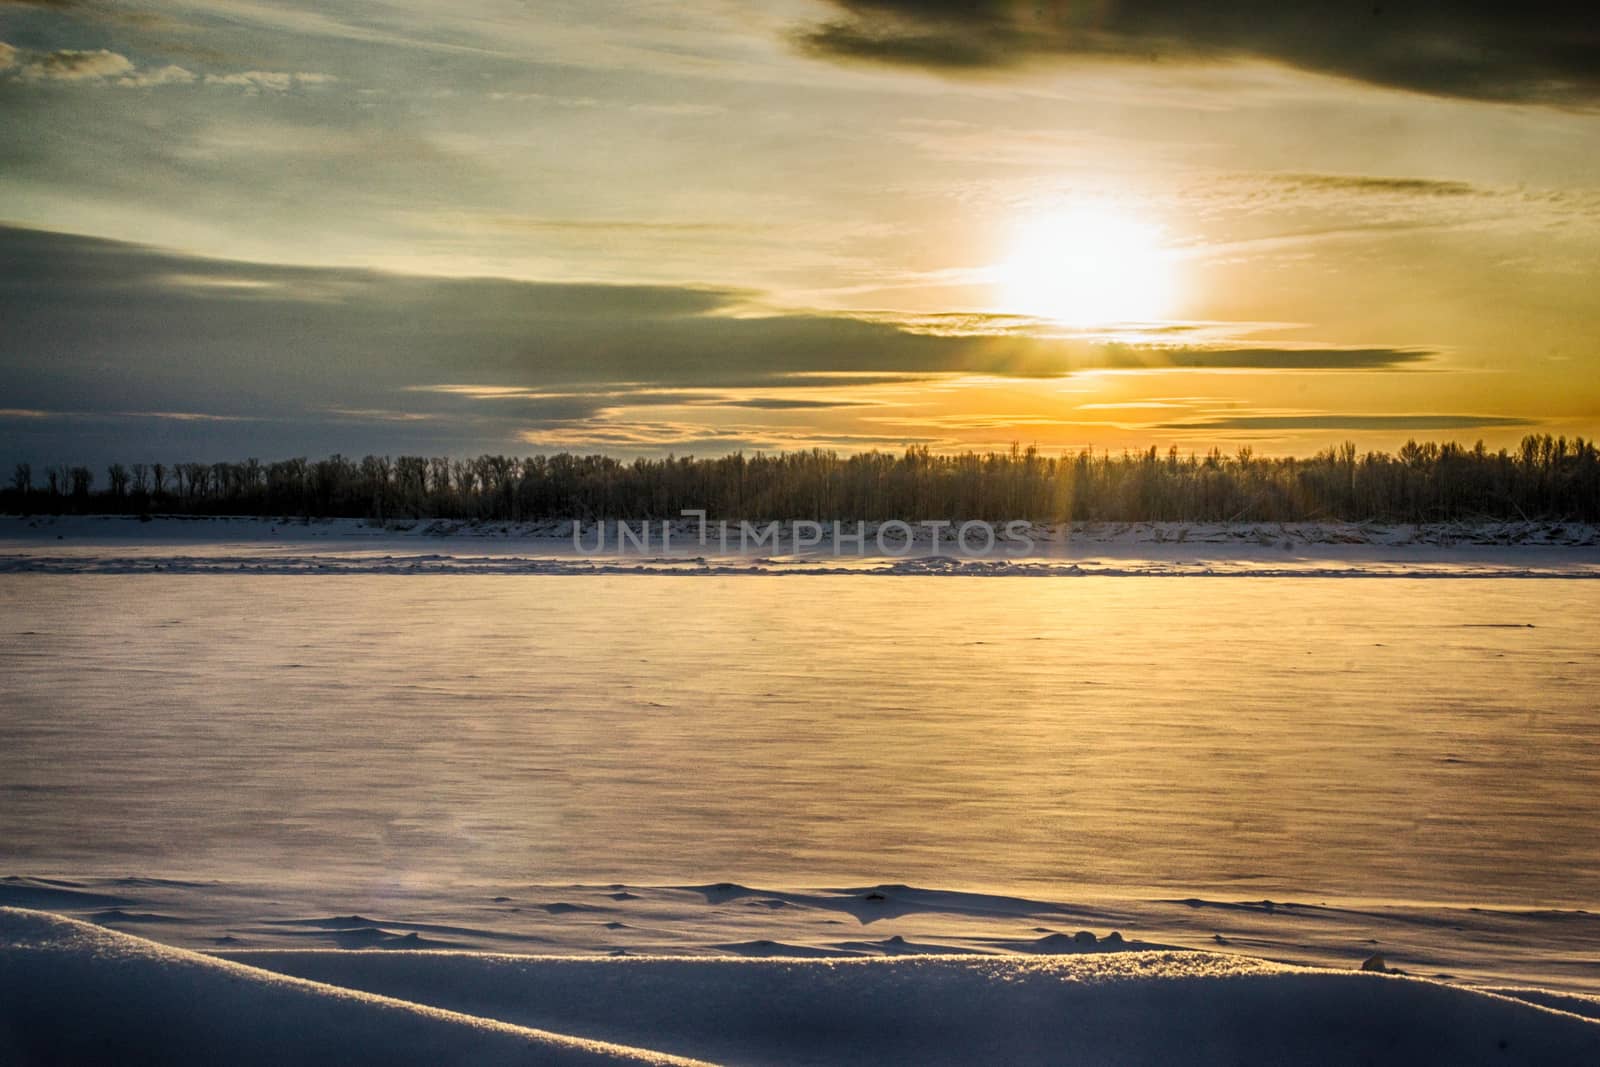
1479 947
1142 820
80 993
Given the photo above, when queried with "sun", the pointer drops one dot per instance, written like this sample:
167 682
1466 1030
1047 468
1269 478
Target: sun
1088 266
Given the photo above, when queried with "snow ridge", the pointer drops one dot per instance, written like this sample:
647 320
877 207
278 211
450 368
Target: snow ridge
72 991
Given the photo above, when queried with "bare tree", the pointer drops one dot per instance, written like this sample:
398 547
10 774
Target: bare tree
1545 477
198 476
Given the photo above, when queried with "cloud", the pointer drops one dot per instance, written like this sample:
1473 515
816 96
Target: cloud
269 81
690 437
777 403
381 415
172 74
525 338
1539 52
186 416
670 228
562 404
1339 421
73 65
175 416
824 380
1267 358
103 67
1356 183
1067 349
89 67
141 337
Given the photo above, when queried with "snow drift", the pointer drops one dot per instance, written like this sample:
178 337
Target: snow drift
72 991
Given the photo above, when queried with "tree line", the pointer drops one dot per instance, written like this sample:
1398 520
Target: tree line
1544 478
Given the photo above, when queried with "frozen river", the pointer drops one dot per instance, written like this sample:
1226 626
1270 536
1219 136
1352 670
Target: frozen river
1382 740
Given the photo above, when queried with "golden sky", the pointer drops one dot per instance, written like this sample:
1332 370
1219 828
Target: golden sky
272 228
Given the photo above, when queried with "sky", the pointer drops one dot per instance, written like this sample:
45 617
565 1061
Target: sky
271 228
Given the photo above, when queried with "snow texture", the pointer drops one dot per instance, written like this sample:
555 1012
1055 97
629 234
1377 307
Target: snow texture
71 991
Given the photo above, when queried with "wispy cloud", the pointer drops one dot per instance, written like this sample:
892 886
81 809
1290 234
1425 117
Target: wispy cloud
171 74
1347 421
172 416
1361 183
637 435
382 415
270 81
101 66
1269 358
533 224
74 65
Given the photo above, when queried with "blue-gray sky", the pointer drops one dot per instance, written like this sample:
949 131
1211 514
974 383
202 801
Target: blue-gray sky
247 228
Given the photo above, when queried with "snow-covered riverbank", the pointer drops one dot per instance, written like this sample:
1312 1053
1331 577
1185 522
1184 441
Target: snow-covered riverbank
119 545
76 991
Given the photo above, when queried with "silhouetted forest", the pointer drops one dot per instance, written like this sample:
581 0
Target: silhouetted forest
1545 477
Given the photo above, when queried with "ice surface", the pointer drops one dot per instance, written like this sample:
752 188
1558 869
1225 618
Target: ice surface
1294 739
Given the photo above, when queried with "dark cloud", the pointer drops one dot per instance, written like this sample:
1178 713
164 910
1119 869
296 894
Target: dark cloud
112 341
1356 183
1541 51
1276 358
776 403
830 381
1336 421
